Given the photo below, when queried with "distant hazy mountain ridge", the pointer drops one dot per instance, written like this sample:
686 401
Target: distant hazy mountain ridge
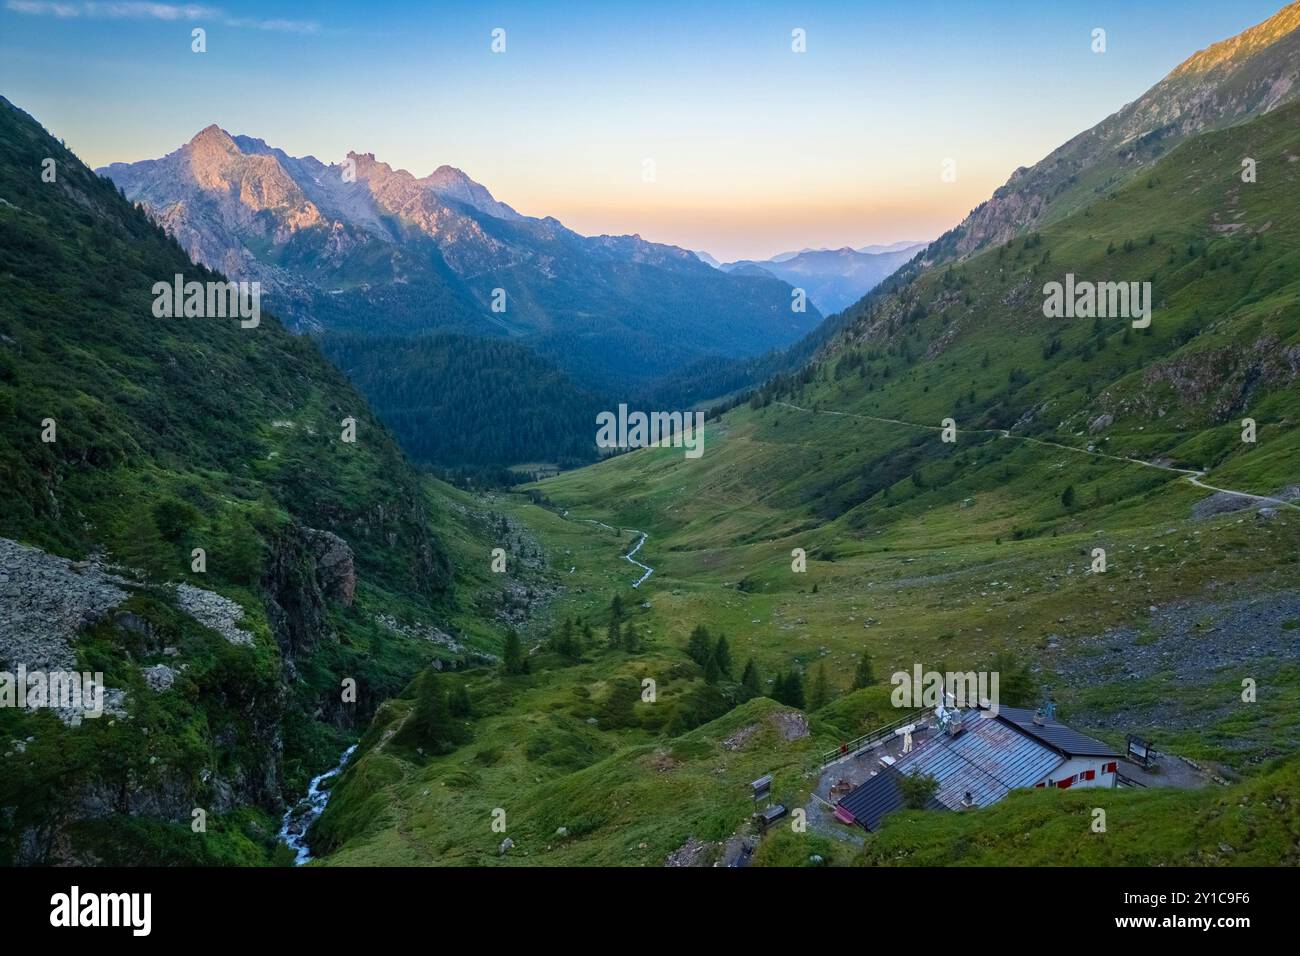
833 278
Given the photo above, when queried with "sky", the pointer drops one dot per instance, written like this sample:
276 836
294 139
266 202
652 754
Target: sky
693 123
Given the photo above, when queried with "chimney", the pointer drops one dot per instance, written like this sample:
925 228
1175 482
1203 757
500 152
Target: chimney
1039 719
967 799
956 723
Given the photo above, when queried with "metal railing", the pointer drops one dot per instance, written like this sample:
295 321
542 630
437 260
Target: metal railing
868 740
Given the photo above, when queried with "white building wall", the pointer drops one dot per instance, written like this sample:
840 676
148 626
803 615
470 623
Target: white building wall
1078 767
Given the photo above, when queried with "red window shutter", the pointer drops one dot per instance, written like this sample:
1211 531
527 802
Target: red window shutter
1089 775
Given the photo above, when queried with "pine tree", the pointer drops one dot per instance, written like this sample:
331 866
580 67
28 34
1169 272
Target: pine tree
820 693
613 636
616 607
1067 496
431 717
750 681
458 701
722 656
864 676
791 689
631 640
512 655
699 648
617 710
917 789
431 726
566 641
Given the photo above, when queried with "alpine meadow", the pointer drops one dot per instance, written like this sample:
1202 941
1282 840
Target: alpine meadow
784 438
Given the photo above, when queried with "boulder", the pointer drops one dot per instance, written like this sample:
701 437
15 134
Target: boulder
1099 423
335 568
160 677
1220 503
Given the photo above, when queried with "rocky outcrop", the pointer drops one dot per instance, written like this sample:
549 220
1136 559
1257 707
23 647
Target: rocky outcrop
1100 423
335 568
45 600
308 569
295 601
1221 503
214 611
1208 385
791 724
421 631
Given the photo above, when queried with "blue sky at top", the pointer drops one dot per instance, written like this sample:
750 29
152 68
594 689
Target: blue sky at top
756 149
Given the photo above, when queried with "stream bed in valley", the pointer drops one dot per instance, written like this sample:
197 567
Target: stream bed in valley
299 817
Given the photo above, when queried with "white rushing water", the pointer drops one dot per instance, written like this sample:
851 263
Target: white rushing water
299 818
631 556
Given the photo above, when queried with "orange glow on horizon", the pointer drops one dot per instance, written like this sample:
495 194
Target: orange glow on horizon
733 230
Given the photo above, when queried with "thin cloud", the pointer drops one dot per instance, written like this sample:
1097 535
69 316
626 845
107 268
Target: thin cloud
149 11
276 26
44 9
169 12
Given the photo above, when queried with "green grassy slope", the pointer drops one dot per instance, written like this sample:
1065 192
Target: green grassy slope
631 784
175 434
633 793
970 342
1255 823
947 554
976 534
921 551
1226 85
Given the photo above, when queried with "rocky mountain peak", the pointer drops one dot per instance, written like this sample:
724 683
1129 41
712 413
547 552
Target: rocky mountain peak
452 183
1246 44
370 168
447 175
213 137
336 251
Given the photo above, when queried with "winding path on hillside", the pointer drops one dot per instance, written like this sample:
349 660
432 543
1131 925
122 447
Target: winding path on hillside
1189 474
631 555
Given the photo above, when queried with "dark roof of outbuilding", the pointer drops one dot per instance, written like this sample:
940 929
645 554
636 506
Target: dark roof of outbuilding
880 795
1055 735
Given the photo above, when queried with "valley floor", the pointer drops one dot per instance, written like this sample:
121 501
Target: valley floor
1158 645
